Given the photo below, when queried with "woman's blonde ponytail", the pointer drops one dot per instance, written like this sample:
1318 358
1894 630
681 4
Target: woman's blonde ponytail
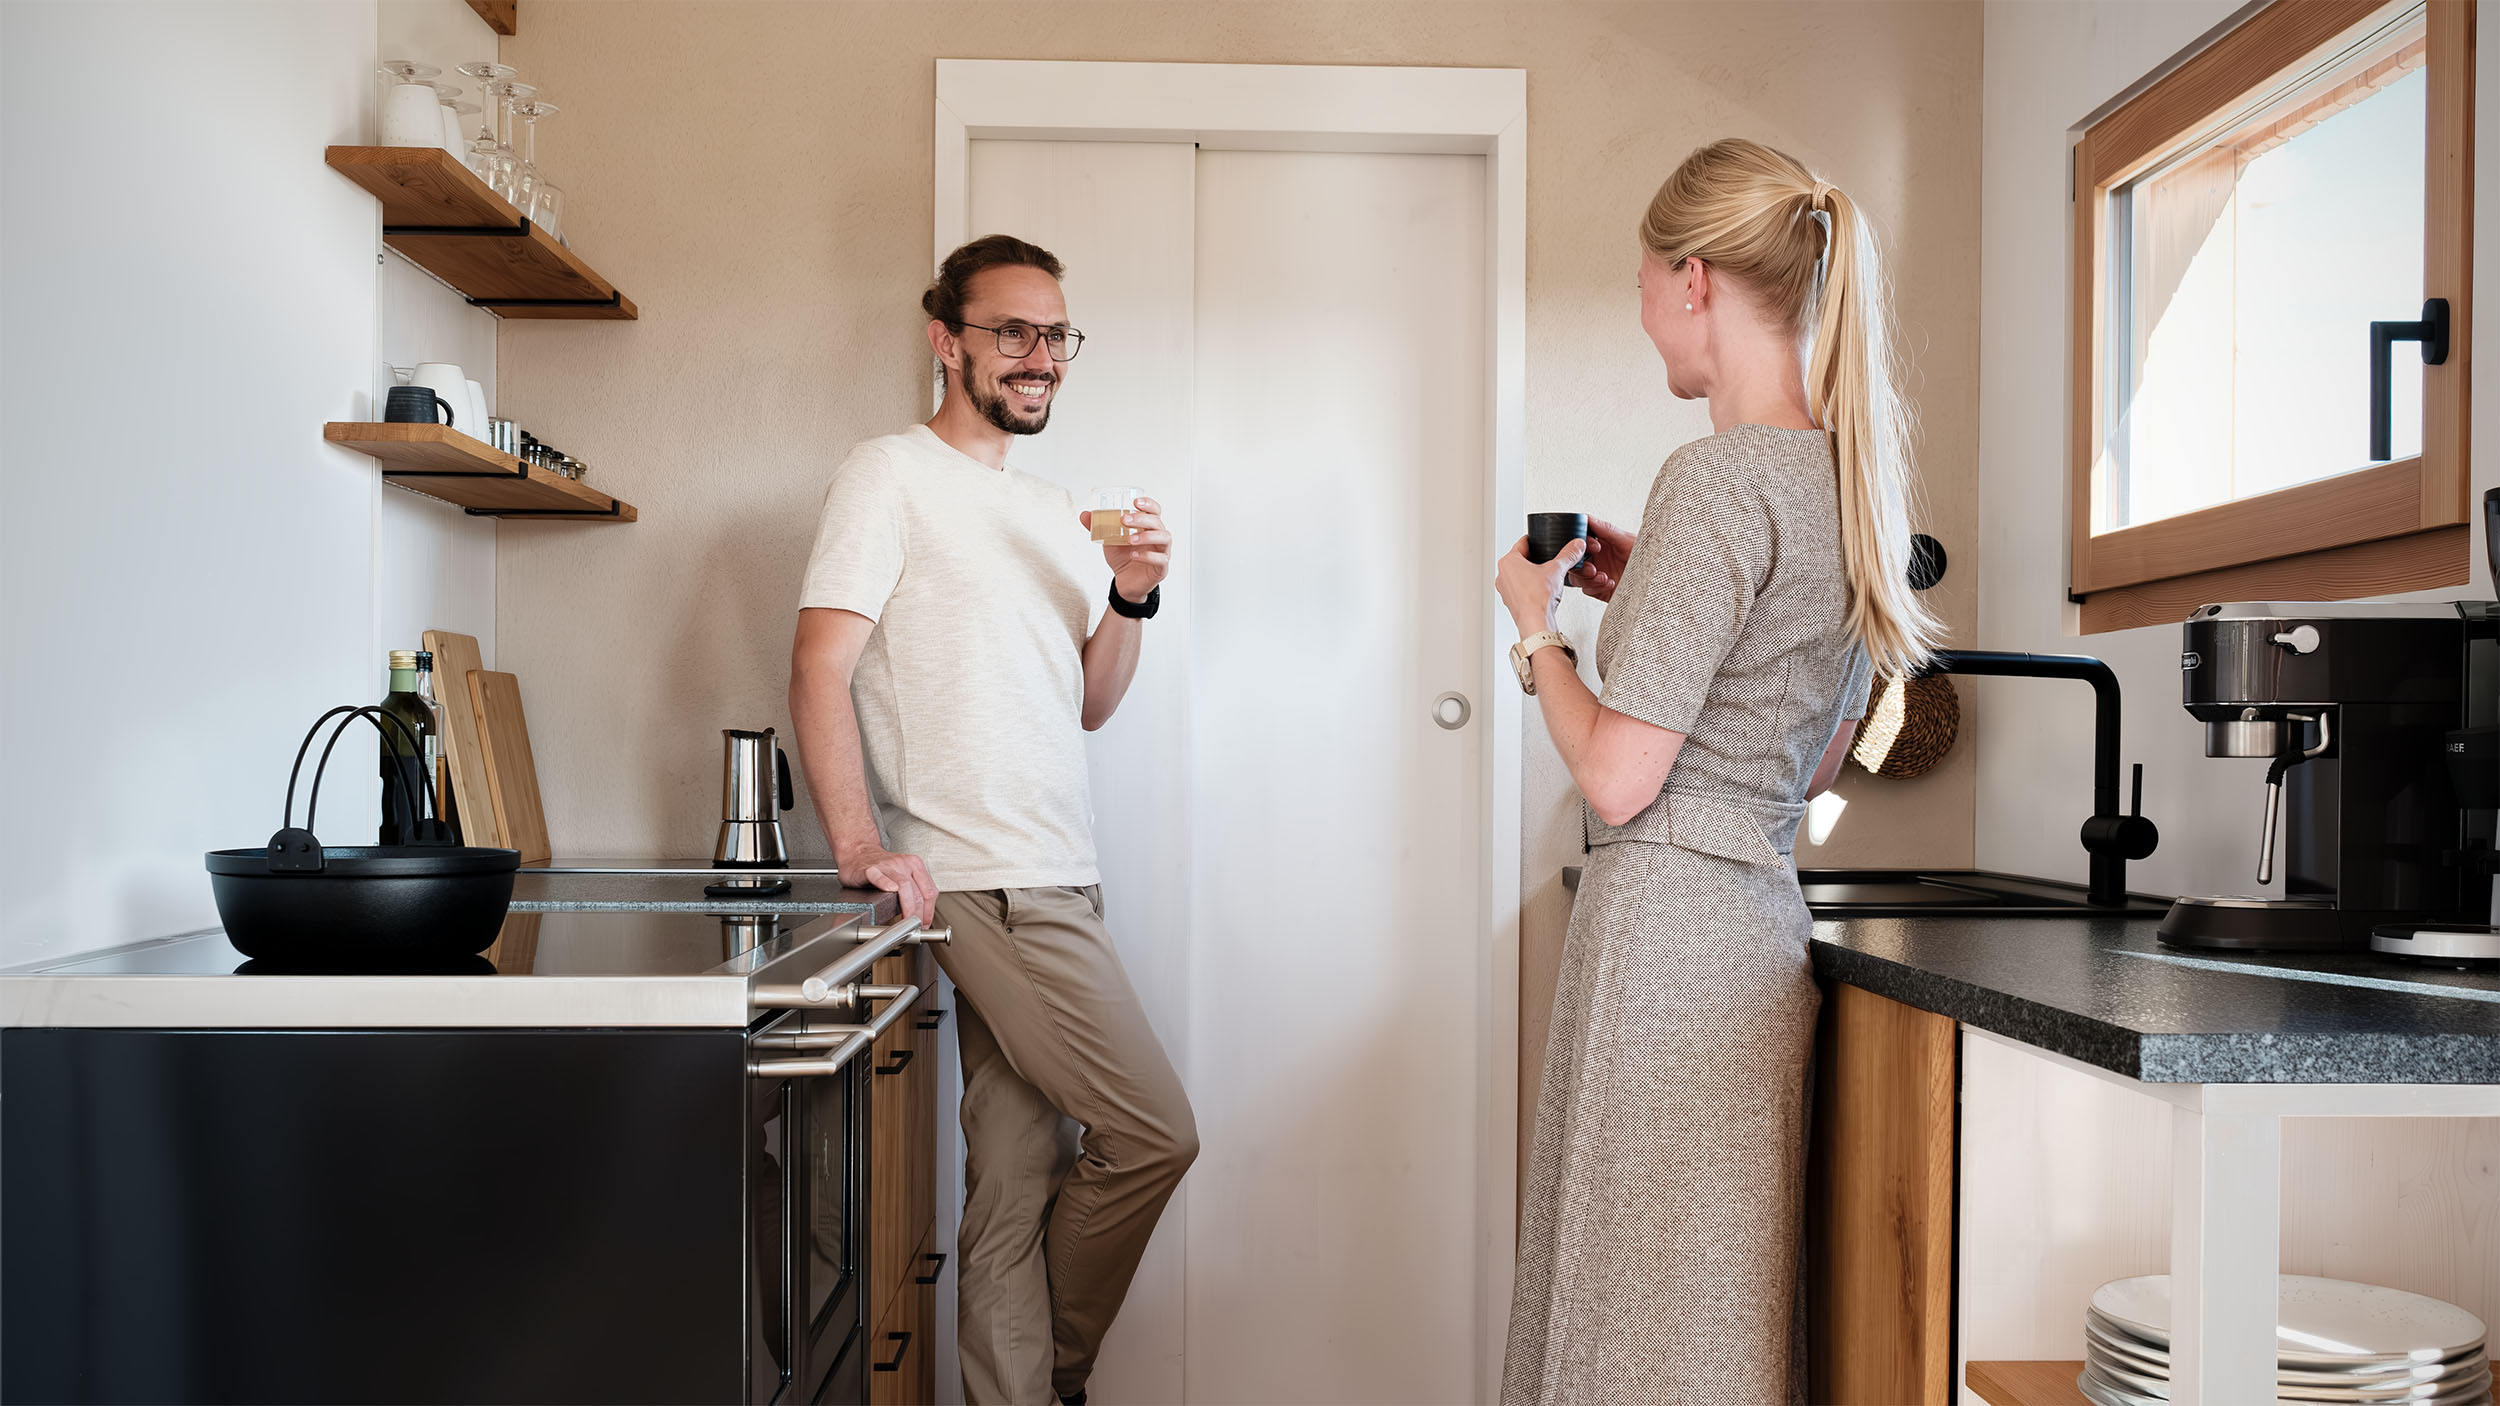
1801 247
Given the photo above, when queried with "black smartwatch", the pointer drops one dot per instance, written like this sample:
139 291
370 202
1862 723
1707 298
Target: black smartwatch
1143 611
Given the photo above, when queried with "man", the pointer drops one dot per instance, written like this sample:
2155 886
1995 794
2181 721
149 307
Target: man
943 669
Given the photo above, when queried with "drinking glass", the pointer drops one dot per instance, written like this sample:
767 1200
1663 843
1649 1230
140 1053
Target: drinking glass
1110 506
512 94
481 148
547 209
525 185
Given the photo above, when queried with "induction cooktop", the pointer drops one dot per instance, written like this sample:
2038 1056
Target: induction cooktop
605 943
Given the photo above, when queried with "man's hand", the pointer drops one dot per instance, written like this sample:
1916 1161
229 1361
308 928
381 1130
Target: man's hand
1609 548
1139 564
902 875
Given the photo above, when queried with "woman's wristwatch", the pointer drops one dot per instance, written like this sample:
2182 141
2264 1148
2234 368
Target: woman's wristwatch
1520 656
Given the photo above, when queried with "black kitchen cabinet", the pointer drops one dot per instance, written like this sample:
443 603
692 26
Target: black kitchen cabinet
441 1215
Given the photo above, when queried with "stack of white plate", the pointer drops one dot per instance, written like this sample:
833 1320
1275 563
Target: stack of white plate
2335 1342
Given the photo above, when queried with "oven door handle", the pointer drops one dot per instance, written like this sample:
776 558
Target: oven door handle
839 1045
837 984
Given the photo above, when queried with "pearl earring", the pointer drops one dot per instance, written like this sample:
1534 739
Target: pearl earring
1688 307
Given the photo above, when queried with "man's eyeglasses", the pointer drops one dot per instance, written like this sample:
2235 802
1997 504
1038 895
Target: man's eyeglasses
1018 338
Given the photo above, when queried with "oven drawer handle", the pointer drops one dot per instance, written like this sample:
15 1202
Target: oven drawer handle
840 1044
902 1346
937 1266
838 983
902 1061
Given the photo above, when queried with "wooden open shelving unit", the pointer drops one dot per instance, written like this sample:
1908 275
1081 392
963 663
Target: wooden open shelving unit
2027 1383
446 221
441 462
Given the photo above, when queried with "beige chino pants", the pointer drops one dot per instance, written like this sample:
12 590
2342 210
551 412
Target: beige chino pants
1051 1031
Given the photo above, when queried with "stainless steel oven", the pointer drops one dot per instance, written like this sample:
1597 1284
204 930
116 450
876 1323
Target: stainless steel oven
807 1174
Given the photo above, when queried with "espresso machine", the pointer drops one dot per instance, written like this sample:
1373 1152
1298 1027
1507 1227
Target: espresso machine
2354 706
2473 757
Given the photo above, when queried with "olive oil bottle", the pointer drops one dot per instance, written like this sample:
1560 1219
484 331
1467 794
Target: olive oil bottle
403 795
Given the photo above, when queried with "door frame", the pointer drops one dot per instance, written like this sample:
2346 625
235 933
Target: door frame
1281 107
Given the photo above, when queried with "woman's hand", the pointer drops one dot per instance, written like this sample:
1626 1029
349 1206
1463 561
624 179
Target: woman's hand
1609 550
1531 589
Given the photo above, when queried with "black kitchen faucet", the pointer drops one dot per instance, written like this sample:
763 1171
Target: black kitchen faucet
2109 837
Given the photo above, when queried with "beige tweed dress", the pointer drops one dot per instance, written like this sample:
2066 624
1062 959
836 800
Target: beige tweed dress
1659 1238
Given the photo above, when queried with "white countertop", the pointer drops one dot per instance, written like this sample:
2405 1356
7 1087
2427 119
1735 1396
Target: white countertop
577 969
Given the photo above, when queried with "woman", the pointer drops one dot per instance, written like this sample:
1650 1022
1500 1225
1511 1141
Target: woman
1658 1251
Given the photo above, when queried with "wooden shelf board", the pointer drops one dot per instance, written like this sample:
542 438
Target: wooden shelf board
503 265
2027 1383
467 472
501 16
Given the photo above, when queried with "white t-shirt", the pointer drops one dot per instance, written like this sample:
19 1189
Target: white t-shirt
970 693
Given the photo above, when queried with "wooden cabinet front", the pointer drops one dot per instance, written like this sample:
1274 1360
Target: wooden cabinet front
902 1159
902 1362
1879 1203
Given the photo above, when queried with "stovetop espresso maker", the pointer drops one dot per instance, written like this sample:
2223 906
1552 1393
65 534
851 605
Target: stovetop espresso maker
754 789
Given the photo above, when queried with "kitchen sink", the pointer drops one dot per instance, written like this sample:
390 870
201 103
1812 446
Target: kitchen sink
1905 893
1915 893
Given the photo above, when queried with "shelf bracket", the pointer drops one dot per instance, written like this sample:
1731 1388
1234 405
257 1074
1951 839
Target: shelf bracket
523 471
490 304
615 509
519 231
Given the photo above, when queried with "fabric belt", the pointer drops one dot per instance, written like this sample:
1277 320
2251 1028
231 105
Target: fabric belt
1747 829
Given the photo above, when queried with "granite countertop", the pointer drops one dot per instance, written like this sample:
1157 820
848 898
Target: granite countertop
2103 991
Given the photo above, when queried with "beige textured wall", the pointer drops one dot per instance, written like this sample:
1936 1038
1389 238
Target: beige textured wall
757 178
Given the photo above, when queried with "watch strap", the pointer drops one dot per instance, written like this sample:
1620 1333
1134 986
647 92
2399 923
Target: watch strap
1522 655
1142 610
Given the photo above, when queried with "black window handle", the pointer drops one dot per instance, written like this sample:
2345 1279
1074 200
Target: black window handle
902 1057
2432 333
931 1019
937 1266
902 1345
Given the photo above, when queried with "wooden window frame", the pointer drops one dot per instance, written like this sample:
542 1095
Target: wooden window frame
2397 526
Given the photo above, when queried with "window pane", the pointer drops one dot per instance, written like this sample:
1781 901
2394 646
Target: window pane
2247 272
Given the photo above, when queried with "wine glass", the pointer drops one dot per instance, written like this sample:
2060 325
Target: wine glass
525 185
481 148
511 93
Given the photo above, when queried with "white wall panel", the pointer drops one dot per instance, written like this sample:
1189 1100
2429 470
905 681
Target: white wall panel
188 574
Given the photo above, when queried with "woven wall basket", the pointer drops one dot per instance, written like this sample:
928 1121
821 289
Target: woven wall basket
1909 727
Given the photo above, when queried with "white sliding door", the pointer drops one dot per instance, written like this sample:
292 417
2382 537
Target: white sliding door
1289 349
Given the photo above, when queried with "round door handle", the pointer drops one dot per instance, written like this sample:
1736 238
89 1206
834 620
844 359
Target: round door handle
1450 711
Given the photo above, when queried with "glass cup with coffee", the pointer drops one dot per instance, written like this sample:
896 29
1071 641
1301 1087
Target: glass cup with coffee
1110 509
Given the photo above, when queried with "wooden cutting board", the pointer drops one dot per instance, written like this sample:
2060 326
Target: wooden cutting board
455 659
511 774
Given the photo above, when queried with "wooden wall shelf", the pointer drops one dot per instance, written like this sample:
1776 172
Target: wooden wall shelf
446 221
440 462
2027 1383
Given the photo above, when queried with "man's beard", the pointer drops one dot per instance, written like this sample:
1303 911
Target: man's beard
995 408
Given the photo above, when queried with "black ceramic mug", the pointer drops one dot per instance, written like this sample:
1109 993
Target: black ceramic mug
1549 533
415 405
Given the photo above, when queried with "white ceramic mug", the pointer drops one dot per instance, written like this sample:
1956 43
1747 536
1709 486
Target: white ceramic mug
412 115
445 380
